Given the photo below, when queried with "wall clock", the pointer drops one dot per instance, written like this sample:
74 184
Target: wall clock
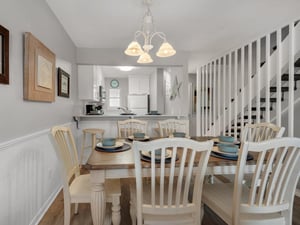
114 83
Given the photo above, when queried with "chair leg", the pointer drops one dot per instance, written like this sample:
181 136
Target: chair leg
76 209
132 203
82 149
201 213
67 213
115 208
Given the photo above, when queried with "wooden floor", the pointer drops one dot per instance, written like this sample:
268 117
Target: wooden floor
55 214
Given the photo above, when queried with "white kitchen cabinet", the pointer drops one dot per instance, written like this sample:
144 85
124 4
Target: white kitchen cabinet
138 85
89 79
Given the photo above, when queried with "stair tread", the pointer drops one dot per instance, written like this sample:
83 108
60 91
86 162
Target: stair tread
285 77
252 117
271 99
261 108
283 89
297 63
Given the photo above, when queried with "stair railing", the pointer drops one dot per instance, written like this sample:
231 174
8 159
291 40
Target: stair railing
231 86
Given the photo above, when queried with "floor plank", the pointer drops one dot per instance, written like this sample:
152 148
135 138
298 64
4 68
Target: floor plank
55 216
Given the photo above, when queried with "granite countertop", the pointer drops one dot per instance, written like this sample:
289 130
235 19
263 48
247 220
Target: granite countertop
106 116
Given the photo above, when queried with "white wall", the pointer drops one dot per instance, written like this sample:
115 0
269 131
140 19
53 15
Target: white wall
24 116
179 105
28 165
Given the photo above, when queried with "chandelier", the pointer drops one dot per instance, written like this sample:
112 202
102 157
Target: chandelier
148 33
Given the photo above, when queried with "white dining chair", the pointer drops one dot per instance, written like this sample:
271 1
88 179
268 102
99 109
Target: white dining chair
254 133
167 127
269 197
261 131
96 135
77 187
172 194
127 127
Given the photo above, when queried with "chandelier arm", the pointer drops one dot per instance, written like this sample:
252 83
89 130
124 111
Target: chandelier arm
139 33
159 34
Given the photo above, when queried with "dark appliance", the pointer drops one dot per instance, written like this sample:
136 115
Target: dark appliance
93 109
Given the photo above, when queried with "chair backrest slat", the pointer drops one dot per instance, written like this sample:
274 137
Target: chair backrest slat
66 150
175 180
128 127
261 131
274 181
167 127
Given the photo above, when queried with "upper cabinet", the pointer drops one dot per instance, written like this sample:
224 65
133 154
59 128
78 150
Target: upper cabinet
138 84
89 79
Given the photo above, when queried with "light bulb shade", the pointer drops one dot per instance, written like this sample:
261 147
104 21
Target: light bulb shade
134 49
165 50
145 58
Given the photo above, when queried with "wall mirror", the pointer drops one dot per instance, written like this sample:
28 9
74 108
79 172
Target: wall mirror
4 55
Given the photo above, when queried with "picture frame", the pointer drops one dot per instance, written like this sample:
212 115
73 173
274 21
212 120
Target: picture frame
63 79
39 71
4 55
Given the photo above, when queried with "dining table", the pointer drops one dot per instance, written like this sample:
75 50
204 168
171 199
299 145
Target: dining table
120 164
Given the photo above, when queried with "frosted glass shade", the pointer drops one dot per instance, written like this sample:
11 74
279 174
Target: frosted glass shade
145 58
134 49
165 50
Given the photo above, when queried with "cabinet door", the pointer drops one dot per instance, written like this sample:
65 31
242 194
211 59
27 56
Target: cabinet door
138 85
133 85
144 85
88 83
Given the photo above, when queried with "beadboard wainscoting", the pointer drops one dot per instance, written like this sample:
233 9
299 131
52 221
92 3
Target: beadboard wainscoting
30 179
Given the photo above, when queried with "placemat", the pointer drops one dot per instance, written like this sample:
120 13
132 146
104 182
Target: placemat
125 147
229 157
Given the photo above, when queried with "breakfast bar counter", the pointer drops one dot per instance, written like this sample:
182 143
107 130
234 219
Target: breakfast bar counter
123 117
108 122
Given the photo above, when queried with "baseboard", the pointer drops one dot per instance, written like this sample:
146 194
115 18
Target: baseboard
38 217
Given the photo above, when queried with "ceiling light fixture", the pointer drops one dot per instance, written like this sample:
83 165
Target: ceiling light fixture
148 33
126 68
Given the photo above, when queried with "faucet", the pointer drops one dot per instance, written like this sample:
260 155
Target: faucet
125 109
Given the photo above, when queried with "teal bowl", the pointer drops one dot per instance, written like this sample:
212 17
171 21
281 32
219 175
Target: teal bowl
178 134
228 148
138 135
226 139
108 142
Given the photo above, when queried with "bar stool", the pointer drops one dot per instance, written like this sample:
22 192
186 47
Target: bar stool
96 136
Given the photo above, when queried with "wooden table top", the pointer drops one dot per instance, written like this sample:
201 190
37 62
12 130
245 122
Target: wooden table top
125 160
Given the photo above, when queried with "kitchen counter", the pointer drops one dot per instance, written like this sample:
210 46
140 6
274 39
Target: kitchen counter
108 122
118 117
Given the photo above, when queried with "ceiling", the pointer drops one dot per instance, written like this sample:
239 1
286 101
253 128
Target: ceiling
115 72
204 28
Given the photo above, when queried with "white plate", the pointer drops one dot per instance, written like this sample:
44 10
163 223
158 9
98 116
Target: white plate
216 149
117 145
148 154
132 138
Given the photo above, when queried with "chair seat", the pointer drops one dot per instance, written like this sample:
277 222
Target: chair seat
169 219
80 189
219 198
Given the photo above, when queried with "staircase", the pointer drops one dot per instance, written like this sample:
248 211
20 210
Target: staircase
251 84
273 89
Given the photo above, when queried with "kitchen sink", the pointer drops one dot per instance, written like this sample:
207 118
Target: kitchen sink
127 114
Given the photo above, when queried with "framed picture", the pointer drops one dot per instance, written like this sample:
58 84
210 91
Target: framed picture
63 83
4 55
39 71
